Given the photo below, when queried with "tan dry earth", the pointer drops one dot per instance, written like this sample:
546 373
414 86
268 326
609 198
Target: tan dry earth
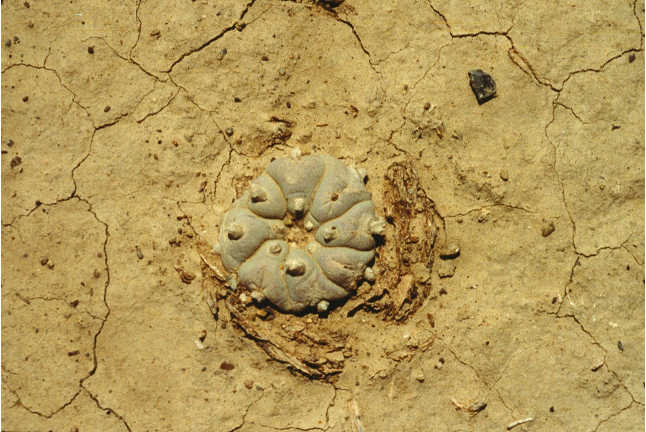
118 161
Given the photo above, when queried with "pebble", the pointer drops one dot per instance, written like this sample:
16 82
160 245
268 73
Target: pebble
15 162
450 250
419 376
229 131
483 86
140 255
620 346
106 109
8 43
226 366
248 384
504 174
90 50
439 363
222 53
97 274
547 228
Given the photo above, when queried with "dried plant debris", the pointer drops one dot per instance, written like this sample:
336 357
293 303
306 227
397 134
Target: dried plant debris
306 237
483 86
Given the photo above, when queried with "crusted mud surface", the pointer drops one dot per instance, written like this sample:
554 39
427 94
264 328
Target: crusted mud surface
129 129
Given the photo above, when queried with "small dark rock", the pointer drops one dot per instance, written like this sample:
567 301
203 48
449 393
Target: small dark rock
547 228
15 161
27 5
10 143
620 346
90 50
8 43
483 86
229 131
265 58
106 109
25 98
631 58
226 366
237 99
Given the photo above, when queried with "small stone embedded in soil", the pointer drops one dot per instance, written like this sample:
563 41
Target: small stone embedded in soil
477 406
15 162
547 228
90 50
106 109
504 174
631 58
248 384
450 250
25 98
97 274
140 254
620 346
221 54
226 366
483 86
419 376
229 131
8 43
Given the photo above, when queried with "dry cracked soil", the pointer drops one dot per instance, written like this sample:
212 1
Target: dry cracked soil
128 128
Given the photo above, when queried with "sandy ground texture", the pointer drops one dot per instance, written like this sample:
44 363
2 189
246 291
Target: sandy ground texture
129 127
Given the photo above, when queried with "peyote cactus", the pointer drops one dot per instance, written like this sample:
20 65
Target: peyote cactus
331 209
